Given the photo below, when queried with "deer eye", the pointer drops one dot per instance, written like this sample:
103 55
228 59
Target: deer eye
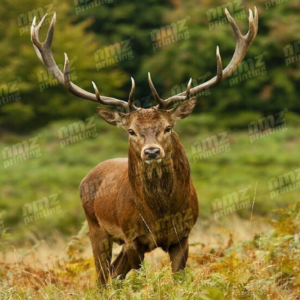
131 132
168 129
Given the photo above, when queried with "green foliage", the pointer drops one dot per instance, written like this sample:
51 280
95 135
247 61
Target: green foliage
195 57
41 98
267 267
264 268
60 170
82 33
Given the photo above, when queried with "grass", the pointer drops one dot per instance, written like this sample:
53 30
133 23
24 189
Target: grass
266 267
227 260
59 171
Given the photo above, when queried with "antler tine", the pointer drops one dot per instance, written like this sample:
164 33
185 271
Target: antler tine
188 90
110 101
160 102
189 93
66 72
34 33
234 26
131 105
35 29
253 23
243 43
44 53
99 99
219 66
50 33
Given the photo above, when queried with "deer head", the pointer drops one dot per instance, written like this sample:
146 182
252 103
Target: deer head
149 130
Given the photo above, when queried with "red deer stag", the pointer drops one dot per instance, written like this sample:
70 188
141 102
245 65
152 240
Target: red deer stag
148 200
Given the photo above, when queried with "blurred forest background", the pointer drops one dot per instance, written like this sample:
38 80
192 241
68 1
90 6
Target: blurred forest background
34 105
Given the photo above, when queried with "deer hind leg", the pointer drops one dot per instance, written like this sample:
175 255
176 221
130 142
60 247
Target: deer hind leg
179 254
102 249
121 265
131 257
135 253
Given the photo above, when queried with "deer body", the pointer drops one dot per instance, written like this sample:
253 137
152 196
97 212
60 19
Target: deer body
142 206
147 200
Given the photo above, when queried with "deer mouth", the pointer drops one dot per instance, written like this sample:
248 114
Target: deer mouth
153 161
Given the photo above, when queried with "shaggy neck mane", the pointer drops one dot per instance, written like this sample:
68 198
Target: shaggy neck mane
159 185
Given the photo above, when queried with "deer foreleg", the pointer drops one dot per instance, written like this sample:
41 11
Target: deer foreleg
102 250
179 254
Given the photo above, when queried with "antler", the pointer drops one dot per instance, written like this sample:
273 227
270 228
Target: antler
44 53
243 43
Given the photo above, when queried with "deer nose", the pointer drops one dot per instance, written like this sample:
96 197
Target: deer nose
152 152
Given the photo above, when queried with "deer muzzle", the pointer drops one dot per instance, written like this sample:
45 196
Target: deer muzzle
152 153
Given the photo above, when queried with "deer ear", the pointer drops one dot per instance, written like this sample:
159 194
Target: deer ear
114 118
182 110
